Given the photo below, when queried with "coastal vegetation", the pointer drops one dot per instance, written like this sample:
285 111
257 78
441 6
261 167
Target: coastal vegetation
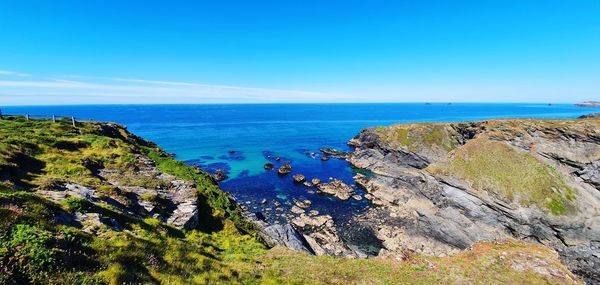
488 162
52 234
497 168
416 137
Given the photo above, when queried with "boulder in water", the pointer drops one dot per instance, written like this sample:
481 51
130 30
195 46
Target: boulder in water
336 188
299 178
284 169
220 175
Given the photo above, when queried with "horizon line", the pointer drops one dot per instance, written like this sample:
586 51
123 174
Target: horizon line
294 103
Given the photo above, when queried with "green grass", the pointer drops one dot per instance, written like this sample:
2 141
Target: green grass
497 168
150 252
485 263
417 137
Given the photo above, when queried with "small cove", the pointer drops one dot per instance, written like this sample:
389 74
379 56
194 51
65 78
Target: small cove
240 139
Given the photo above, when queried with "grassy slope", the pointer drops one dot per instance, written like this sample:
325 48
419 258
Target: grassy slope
490 165
416 137
496 167
36 249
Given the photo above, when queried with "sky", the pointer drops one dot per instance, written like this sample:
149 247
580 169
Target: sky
120 52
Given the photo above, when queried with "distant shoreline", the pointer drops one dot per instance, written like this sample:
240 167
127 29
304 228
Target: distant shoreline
594 104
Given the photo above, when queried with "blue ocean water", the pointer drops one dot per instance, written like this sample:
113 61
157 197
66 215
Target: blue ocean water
242 138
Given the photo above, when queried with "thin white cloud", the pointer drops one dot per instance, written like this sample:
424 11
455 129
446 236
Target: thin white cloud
190 84
13 73
92 88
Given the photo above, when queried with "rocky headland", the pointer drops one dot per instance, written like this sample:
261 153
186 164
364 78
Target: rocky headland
588 104
441 187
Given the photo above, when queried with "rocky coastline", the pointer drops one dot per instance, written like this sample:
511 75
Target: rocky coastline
102 205
437 189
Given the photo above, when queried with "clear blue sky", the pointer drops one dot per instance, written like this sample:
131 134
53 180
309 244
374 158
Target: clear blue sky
67 52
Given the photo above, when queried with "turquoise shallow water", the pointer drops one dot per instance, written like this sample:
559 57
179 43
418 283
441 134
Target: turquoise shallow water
205 135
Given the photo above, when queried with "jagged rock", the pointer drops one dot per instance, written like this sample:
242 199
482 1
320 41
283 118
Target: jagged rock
299 178
278 234
322 236
315 181
307 184
287 236
361 180
591 174
185 215
284 169
302 204
336 188
263 201
220 175
324 158
331 152
269 166
297 210
353 143
92 222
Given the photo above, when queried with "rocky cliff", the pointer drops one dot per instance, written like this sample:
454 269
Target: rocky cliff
441 187
95 204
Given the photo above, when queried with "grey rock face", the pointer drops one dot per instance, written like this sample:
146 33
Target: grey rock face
440 215
279 235
287 236
174 200
322 236
591 174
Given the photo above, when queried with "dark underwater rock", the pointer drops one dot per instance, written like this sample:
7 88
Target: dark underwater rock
220 175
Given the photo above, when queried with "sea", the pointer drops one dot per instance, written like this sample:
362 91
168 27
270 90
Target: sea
239 139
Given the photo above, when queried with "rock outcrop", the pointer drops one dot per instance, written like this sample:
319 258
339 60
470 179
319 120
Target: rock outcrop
299 178
331 152
284 169
322 236
336 188
442 187
168 198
